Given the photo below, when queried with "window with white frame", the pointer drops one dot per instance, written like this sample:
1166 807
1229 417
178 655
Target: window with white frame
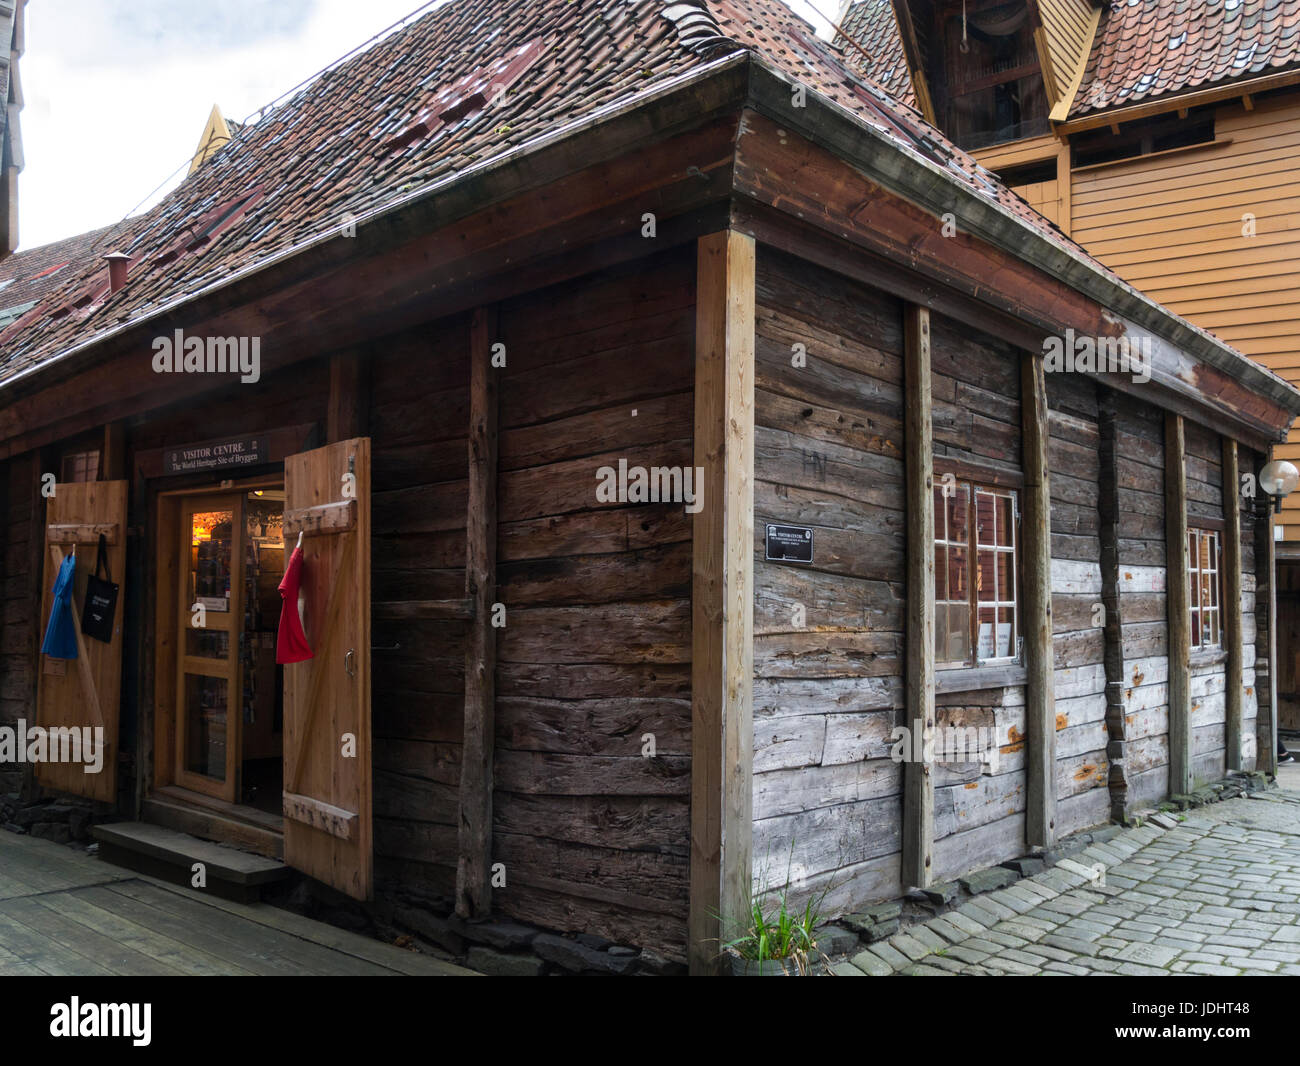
976 590
1203 575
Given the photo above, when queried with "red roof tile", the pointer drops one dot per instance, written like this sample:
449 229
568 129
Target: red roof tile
1151 48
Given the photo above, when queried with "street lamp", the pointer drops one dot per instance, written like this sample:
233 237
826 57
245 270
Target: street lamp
1279 478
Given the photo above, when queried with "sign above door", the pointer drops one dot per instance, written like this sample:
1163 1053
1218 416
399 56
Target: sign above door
231 454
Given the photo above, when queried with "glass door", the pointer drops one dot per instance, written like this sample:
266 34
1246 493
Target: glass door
210 631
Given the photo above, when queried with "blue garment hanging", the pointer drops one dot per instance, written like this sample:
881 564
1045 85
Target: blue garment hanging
61 633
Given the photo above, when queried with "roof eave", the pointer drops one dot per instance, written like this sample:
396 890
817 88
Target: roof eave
912 176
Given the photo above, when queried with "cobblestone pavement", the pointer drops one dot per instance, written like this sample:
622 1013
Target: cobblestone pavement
1213 891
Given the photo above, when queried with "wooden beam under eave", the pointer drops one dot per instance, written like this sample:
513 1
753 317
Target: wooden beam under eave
1178 605
918 445
1232 627
722 599
1036 568
473 869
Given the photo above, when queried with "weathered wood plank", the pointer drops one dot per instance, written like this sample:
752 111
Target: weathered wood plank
722 621
1232 602
1180 737
918 776
473 870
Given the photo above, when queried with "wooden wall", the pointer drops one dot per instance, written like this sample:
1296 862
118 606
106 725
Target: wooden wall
828 692
1078 627
1208 710
1139 472
418 425
979 811
1173 225
595 653
21 543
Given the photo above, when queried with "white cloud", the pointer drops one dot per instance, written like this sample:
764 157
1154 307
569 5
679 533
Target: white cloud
117 95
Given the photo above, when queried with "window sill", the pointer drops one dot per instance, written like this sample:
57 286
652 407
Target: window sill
1200 658
973 678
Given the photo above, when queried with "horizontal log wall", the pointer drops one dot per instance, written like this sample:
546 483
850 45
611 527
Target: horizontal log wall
828 670
21 544
1139 445
418 422
1207 674
1078 626
979 810
596 649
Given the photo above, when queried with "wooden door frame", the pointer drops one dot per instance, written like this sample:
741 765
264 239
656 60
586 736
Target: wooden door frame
228 788
164 507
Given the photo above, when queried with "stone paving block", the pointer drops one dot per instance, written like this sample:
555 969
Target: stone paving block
909 946
988 880
967 954
1008 965
928 937
1212 971
872 965
948 930
921 970
896 959
1148 954
846 969
965 923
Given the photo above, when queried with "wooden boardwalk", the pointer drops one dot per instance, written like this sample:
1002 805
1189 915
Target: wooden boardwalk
63 912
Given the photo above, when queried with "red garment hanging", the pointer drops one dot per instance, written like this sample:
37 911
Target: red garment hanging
291 642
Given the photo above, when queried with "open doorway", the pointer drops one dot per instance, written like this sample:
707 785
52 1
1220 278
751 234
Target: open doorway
220 699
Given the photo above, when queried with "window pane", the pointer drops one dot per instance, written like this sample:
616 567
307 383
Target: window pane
958 507
988 584
958 635
940 511
1006 516
940 573
986 632
1193 556
1196 628
1006 641
1006 581
958 578
985 518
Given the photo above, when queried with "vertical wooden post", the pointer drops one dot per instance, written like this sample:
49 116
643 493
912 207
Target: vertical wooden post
918 443
473 870
349 399
1108 508
1179 607
112 459
1036 548
1232 628
722 590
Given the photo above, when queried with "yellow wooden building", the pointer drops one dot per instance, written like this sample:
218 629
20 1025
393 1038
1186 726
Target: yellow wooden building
1160 134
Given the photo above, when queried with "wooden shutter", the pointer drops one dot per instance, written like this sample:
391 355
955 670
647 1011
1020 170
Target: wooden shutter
85 692
327 831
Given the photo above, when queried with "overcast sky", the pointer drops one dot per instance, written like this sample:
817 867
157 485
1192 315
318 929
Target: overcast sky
117 92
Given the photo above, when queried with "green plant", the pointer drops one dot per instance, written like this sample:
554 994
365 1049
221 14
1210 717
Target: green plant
772 931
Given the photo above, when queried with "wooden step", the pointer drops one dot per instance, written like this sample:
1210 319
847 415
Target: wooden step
211 819
170 856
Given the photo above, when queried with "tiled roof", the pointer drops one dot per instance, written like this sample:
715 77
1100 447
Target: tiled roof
34 273
1151 48
409 110
871 24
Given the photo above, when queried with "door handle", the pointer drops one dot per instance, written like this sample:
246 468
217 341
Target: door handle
347 663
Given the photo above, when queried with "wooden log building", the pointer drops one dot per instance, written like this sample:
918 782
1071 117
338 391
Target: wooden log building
665 427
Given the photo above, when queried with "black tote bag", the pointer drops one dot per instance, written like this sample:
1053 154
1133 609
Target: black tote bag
101 599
